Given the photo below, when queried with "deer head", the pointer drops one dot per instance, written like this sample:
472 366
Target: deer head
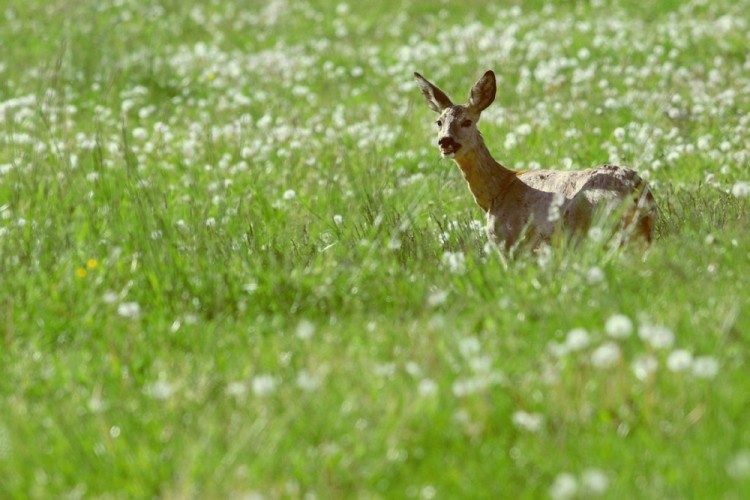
457 124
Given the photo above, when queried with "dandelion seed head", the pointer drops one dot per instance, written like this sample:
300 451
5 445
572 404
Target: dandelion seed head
161 389
741 189
427 387
564 486
738 466
263 385
595 275
305 329
679 360
594 481
577 339
618 326
705 367
644 366
130 310
606 355
531 422
657 336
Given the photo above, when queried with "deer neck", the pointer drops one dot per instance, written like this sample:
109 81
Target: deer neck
487 178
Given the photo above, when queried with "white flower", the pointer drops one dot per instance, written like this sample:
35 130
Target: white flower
531 422
741 189
161 389
658 337
565 486
738 466
644 366
577 339
289 194
596 234
595 275
553 213
705 367
338 219
594 481
305 329
679 360
236 389
427 387
606 355
264 385
436 298
307 381
455 261
130 310
618 326
468 346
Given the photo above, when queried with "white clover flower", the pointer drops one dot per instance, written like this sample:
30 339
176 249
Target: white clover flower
644 366
618 326
565 486
679 360
289 194
531 422
657 336
130 310
577 339
338 219
606 355
705 367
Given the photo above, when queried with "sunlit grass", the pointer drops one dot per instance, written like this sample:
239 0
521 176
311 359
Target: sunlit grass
234 265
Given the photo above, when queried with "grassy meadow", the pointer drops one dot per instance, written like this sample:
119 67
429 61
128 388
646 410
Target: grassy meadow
234 266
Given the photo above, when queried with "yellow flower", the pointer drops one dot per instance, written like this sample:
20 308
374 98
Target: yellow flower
92 264
81 272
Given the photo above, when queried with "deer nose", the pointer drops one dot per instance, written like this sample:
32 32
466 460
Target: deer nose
446 142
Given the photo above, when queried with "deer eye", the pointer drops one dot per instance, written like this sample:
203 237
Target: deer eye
466 123
439 123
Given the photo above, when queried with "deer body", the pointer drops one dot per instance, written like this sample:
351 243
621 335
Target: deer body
534 203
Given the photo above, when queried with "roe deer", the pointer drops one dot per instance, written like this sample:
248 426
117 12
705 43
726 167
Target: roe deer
533 203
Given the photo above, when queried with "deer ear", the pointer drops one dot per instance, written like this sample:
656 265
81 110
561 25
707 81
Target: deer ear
436 98
482 93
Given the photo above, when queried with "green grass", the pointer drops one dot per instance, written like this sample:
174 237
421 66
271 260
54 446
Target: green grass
234 265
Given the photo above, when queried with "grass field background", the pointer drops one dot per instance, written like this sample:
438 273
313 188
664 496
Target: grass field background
234 266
